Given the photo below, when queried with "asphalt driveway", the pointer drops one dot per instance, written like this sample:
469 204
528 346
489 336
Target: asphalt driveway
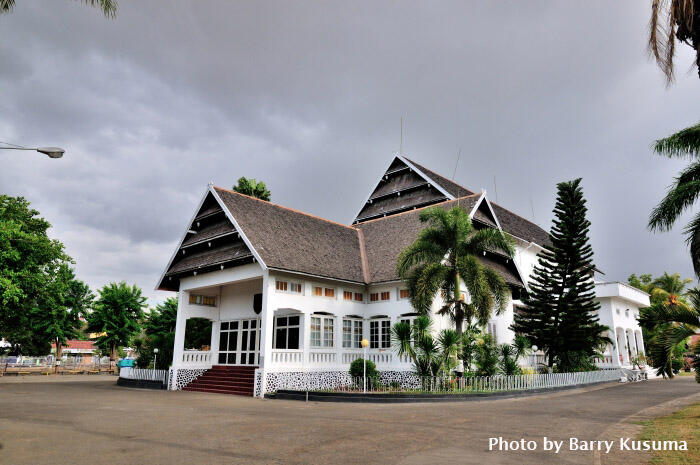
91 420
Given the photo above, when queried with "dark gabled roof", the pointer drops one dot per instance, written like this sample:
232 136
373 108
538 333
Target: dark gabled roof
454 189
385 238
291 240
207 258
519 227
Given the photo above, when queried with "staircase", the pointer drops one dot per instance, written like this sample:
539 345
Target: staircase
223 379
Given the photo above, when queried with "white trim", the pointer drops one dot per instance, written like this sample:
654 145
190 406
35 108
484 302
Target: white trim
424 176
488 203
281 270
238 228
182 239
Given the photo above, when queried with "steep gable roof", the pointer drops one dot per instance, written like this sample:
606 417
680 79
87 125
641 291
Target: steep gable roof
450 186
385 238
287 239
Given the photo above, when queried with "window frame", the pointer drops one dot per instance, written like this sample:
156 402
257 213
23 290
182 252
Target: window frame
286 327
354 342
406 297
323 331
199 299
383 334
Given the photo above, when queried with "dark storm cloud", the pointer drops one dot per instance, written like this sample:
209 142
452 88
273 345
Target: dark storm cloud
162 100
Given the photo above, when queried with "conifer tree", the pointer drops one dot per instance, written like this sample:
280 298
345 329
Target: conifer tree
560 313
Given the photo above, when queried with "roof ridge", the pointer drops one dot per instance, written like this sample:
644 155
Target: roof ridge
285 208
366 275
519 216
419 208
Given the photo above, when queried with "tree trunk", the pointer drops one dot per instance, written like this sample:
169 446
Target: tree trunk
113 353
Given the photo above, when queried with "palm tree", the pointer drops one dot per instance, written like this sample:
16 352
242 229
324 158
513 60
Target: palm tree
444 256
108 7
684 191
430 356
253 188
673 20
669 287
673 324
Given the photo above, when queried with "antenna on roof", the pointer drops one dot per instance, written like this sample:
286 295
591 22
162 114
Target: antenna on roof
495 189
454 174
401 138
532 207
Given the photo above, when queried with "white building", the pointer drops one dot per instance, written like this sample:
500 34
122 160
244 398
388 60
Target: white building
291 295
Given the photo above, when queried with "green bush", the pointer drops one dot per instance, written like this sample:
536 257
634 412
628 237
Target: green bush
356 369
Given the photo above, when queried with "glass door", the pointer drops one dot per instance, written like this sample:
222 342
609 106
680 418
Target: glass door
239 342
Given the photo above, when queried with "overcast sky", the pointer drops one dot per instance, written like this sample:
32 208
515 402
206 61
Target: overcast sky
153 105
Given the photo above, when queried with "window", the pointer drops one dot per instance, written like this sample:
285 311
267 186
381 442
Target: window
627 312
207 300
352 333
386 295
359 297
295 287
374 297
347 295
379 334
403 293
287 332
617 310
321 331
320 291
285 286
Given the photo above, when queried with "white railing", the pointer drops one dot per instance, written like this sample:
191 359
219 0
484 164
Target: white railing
381 358
144 374
476 384
291 357
196 359
322 358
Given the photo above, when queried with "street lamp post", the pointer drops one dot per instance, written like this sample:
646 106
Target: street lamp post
365 344
155 358
51 152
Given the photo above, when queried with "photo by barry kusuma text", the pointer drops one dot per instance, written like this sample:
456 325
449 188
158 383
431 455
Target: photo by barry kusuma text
573 444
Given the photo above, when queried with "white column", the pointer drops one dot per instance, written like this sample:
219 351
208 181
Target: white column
180 324
266 322
615 350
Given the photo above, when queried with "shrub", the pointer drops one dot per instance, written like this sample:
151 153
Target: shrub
356 369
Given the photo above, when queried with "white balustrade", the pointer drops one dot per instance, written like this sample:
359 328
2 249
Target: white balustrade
287 357
322 358
196 359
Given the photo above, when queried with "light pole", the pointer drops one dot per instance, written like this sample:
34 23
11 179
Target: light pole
52 152
155 358
365 344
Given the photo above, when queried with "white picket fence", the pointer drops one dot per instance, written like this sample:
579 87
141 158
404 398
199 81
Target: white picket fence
144 374
498 383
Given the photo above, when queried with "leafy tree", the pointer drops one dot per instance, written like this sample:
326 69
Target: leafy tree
431 356
108 7
444 256
559 314
487 356
57 312
29 265
253 188
117 313
673 20
684 191
673 325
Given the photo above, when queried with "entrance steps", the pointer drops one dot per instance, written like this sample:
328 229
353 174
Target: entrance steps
222 379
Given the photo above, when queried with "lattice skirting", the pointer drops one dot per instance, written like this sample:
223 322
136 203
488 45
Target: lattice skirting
181 377
327 380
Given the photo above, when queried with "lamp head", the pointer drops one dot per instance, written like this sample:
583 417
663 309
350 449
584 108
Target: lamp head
52 152
364 343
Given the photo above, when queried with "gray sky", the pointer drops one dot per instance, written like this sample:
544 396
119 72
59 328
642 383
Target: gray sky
155 104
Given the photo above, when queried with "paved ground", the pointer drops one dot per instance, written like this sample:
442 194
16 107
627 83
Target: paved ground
91 420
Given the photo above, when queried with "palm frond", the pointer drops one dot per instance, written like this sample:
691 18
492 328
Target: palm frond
679 197
683 144
490 240
692 233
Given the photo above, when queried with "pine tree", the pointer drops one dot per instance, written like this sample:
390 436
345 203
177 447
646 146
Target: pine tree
560 313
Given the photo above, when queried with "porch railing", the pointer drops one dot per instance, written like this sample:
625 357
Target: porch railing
334 359
196 358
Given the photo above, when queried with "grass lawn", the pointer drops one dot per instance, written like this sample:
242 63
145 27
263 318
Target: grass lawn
683 425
